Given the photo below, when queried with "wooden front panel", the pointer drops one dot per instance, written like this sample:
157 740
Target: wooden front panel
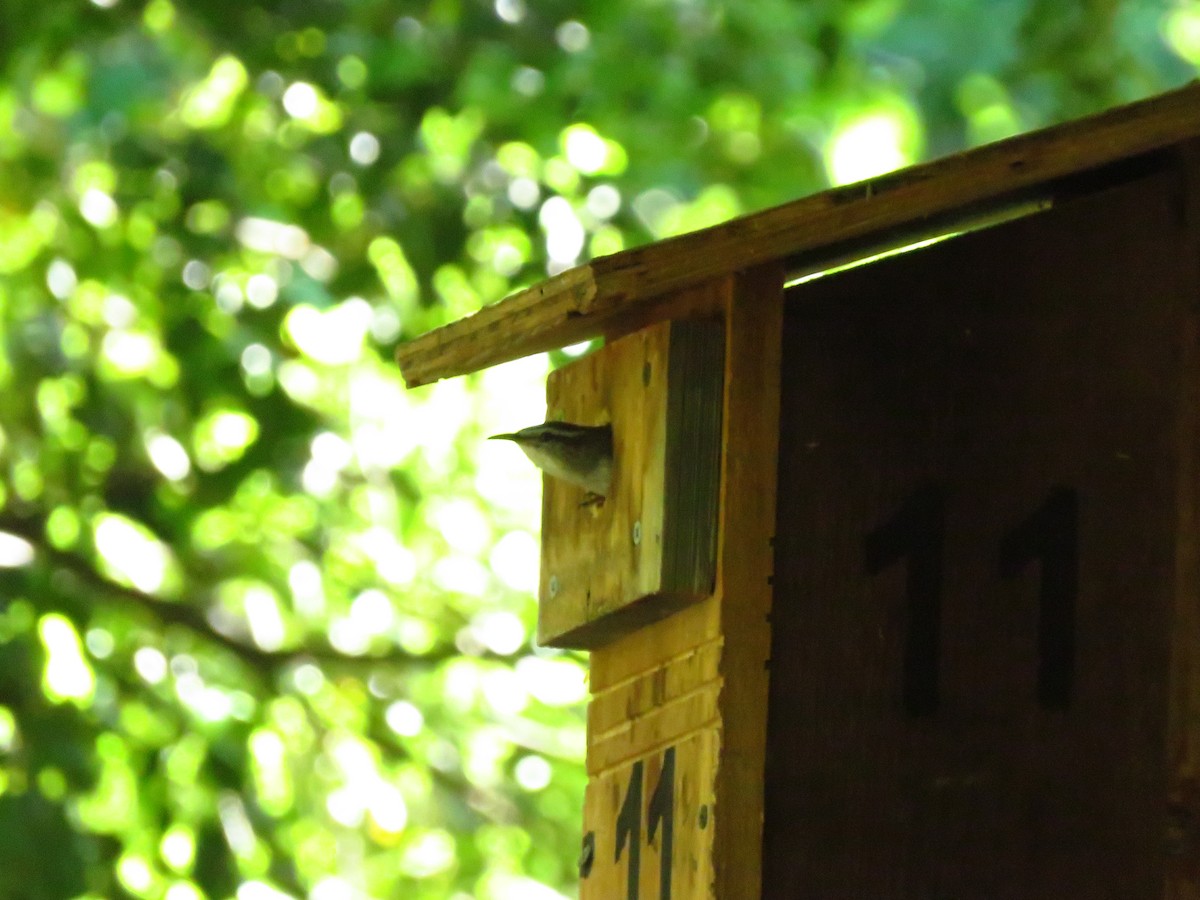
677 722
975 563
648 549
655 818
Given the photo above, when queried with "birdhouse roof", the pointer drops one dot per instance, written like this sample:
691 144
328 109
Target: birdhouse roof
817 232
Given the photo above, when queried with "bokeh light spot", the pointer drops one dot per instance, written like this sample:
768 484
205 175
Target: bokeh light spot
573 36
168 456
98 208
532 772
869 145
564 232
404 718
364 148
15 551
67 675
511 11
178 847
300 100
131 554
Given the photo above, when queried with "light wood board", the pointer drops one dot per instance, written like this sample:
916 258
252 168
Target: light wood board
695 684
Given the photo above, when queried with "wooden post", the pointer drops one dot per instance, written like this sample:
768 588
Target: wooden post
1182 837
677 723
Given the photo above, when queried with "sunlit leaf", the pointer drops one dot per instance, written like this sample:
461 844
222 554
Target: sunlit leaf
209 103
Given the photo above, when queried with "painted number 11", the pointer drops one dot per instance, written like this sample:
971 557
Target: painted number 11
1049 536
660 818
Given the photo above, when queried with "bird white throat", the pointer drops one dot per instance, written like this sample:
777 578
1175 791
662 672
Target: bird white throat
581 455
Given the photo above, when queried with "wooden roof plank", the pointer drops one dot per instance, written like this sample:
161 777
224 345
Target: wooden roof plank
531 321
582 302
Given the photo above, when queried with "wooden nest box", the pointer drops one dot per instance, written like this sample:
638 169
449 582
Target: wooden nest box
897 591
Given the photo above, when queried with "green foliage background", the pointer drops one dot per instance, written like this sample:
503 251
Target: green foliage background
265 617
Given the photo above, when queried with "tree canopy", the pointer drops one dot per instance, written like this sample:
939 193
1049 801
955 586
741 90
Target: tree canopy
265 617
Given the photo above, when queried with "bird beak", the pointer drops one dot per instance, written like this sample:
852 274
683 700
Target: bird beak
502 437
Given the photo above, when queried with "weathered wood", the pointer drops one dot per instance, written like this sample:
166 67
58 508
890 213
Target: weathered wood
520 323
615 294
649 549
752 385
626 852
1182 838
698 679
978 564
593 571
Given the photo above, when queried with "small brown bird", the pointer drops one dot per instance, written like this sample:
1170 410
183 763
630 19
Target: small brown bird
579 454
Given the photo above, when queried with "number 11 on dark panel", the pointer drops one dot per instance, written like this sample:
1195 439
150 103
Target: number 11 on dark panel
917 535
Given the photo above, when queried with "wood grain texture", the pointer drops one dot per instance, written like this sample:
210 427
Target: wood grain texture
520 323
1182 840
752 388
616 294
649 549
701 674
986 375
596 581
693 766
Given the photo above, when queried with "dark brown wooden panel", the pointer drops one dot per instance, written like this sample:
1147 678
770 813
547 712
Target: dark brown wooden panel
974 566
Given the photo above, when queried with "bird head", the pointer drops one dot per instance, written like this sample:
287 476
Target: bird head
580 454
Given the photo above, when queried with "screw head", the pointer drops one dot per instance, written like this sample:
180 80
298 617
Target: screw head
637 532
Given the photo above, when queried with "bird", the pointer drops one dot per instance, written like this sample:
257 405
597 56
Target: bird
581 455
